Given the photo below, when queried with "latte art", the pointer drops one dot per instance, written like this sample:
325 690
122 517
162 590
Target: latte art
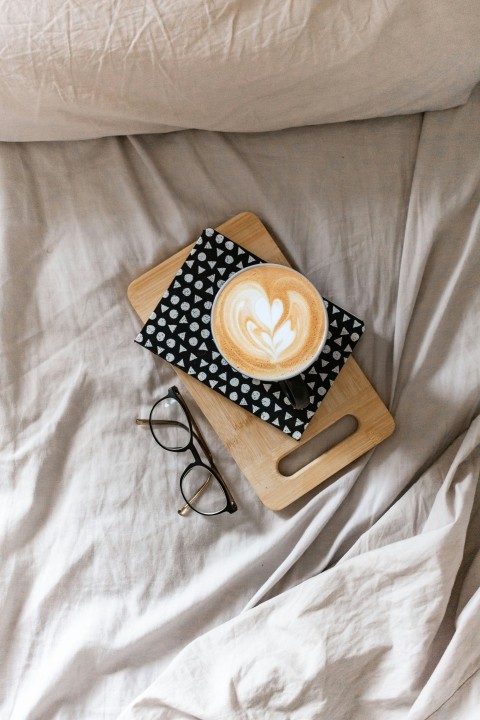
266 325
269 321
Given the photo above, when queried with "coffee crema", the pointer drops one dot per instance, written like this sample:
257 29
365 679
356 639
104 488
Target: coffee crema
269 322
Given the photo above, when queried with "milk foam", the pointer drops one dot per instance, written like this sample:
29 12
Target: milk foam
269 321
261 320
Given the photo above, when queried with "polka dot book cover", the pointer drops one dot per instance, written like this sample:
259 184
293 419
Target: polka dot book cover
178 330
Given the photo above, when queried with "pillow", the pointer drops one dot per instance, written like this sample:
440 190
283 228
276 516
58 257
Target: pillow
115 67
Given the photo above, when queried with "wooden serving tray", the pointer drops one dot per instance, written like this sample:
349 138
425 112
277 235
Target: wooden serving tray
256 446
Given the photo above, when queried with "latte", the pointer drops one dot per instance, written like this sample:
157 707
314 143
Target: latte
269 322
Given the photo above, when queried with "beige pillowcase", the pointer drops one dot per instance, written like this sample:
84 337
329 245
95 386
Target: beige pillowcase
115 67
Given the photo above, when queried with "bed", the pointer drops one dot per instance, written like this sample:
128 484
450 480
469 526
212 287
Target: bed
353 133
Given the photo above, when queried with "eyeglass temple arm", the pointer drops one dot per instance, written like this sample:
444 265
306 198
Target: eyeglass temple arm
200 490
199 437
146 421
174 392
198 434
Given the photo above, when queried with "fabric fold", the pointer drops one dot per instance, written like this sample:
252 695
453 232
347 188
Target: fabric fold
75 71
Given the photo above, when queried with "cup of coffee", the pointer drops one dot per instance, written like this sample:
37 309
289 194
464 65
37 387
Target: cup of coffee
270 323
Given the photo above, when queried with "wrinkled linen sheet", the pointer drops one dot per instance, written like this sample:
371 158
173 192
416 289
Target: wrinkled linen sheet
392 628
361 599
73 70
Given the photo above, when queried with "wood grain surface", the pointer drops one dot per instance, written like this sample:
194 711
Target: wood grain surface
256 446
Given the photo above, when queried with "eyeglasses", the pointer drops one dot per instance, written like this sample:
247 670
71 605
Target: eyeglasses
174 429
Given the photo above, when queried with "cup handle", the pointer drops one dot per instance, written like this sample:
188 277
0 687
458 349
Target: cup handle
296 390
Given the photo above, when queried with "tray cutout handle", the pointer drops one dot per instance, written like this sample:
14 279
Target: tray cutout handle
316 447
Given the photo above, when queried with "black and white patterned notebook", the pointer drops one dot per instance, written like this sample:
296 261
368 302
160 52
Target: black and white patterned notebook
178 330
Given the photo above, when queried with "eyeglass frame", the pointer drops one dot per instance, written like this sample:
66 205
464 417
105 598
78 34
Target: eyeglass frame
195 433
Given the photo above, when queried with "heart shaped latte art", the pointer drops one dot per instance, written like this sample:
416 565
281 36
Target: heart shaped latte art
266 330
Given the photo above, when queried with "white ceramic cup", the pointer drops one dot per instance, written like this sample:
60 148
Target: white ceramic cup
294 386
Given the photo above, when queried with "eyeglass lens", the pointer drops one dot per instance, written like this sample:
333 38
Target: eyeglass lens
170 424
202 491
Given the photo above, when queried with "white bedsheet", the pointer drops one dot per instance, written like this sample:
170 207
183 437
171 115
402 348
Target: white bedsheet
102 582
392 629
